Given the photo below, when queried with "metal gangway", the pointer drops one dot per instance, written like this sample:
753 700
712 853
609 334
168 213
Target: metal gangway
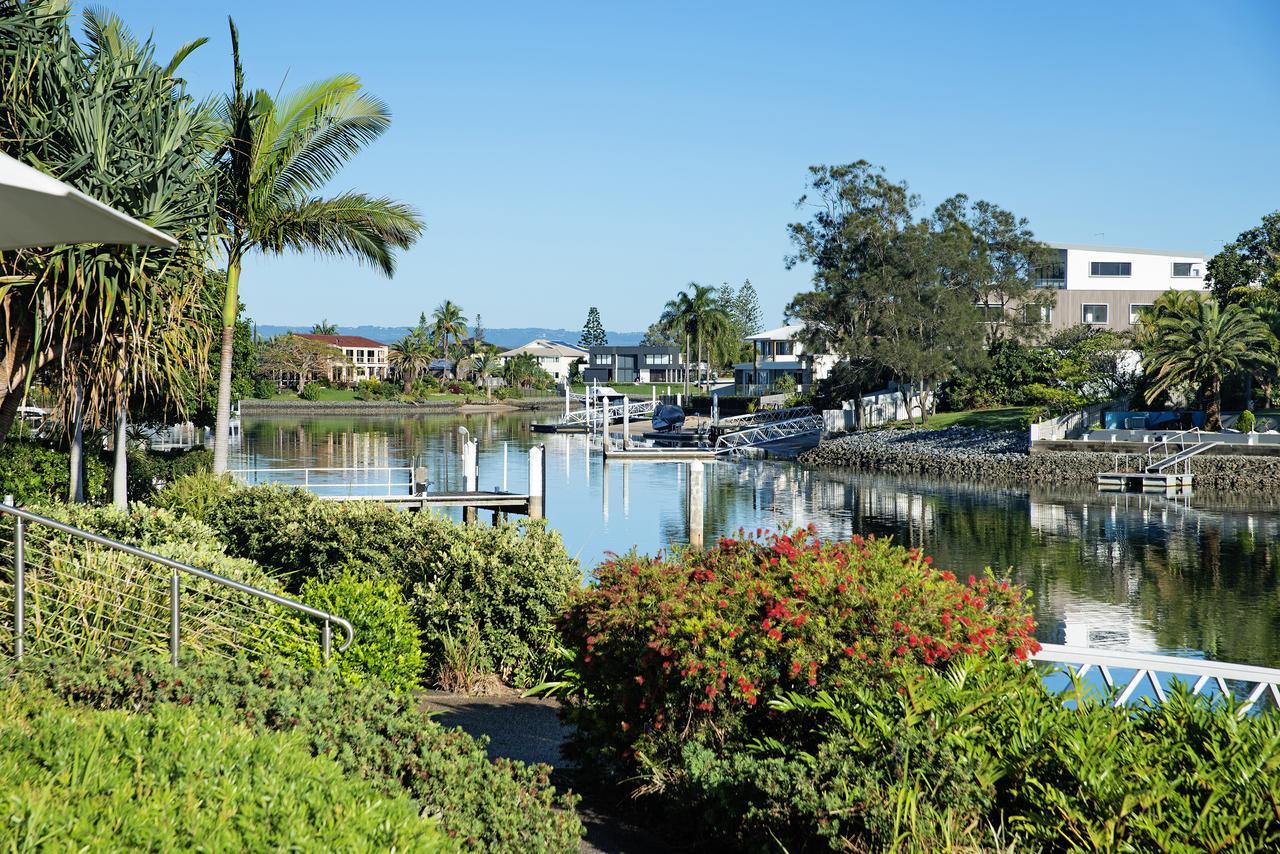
1182 456
1128 677
762 417
768 433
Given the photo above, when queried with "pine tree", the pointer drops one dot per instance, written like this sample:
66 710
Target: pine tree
593 334
747 309
477 336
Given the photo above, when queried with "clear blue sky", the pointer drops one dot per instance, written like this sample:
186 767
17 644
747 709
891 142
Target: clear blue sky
566 155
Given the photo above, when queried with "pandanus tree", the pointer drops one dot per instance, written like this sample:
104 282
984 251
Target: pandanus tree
108 326
1195 343
275 157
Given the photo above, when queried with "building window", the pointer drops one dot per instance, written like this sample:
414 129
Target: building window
989 313
1136 310
1095 314
1042 314
1185 270
784 348
1110 268
602 359
658 358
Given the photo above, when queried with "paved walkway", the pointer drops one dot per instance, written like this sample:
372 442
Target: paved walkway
529 729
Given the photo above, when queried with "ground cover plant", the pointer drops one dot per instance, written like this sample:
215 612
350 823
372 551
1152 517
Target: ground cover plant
189 781
780 691
504 583
368 730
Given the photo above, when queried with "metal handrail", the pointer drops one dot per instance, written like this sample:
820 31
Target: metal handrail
1147 666
390 483
23 516
766 416
1179 437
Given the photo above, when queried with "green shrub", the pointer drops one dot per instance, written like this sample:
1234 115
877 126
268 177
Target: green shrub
264 389
193 495
1052 400
367 729
785 384
386 644
507 581
310 391
1245 422
152 470
35 473
181 780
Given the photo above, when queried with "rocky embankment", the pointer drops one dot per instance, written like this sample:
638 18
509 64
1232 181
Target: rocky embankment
963 453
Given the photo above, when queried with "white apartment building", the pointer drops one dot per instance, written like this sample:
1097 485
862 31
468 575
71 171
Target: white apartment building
1107 287
365 358
555 357
776 353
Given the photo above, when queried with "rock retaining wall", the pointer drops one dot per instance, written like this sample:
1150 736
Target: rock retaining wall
978 455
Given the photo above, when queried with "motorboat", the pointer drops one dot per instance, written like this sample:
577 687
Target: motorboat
668 417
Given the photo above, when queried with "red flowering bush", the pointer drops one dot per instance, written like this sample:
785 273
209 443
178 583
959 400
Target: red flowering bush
691 647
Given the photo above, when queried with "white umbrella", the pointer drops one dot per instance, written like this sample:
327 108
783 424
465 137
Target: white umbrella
37 210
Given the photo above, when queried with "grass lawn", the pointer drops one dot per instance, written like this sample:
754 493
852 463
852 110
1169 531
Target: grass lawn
1008 418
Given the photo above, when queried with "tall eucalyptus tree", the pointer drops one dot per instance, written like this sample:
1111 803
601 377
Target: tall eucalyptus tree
275 157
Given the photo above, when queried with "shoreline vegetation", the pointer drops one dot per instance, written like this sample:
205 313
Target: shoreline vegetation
1002 457
258 407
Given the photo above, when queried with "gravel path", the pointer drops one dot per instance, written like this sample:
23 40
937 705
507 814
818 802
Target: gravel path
529 729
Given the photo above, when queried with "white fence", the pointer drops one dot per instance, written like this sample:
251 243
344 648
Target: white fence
1073 425
878 408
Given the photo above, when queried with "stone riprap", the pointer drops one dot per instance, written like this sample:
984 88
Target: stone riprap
962 453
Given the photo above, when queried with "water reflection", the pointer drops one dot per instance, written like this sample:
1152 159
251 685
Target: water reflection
1195 576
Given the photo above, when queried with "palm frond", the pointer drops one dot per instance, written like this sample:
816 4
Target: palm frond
350 224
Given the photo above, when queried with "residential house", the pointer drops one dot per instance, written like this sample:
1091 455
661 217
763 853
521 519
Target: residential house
1107 287
554 357
634 364
777 353
364 357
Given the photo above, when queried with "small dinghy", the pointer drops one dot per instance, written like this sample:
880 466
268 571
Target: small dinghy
667 418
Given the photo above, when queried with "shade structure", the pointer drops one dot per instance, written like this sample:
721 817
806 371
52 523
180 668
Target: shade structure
37 210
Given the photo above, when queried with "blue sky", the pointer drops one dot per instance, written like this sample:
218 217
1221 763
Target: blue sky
567 155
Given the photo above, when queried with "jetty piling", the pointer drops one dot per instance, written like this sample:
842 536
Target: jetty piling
696 499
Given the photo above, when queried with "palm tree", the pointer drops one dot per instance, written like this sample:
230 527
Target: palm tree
484 364
1197 343
410 356
697 313
274 157
449 327
324 327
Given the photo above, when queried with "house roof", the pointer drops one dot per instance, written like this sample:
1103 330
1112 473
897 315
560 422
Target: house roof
543 347
342 340
782 333
1127 250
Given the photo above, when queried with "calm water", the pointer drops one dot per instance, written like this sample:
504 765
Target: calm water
1195 576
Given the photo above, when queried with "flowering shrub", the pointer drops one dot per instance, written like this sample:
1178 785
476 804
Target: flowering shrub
669 650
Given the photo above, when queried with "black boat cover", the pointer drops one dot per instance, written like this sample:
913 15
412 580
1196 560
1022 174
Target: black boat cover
668 417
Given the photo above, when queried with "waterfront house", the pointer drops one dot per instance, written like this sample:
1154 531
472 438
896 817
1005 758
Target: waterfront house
554 357
363 358
634 364
1107 287
776 353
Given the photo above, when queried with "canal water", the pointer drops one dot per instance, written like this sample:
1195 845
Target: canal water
1192 576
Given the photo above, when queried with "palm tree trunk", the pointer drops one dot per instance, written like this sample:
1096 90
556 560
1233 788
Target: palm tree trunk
686 366
230 309
76 491
120 473
1213 415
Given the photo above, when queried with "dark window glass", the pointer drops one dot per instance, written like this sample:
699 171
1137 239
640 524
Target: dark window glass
1183 269
1110 268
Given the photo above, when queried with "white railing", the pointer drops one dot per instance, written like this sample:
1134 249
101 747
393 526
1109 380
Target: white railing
1252 683
595 417
335 482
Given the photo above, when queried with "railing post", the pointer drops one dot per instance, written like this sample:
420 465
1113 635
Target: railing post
19 585
326 641
174 638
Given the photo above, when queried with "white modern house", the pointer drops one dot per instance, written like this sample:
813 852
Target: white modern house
1107 287
555 357
777 353
365 358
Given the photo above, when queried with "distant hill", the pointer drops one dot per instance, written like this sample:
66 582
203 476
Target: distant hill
511 337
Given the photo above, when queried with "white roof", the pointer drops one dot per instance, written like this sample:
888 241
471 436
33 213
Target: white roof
782 333
545 348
